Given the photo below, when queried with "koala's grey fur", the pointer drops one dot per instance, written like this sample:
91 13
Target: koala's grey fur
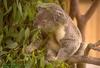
65 38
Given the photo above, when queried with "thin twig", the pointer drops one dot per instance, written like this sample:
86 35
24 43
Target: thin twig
92 46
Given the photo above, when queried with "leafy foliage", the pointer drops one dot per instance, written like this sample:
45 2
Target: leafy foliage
18 35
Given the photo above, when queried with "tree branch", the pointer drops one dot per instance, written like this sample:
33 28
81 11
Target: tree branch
92 46
74 8
91 10
81 22
75 12
84 59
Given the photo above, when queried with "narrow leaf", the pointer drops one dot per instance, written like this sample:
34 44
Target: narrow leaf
10 8
1 17
27 33
17 17
12 45
49 65
42 62
1 37
3 52
20 9
20 35
5 4
1 48
14 11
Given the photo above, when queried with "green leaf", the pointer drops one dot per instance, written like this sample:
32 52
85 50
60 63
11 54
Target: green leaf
17 17
36 33
15 65
20 9
31 12
27 33
42 62
5 4
1 17
3 52
8 41
1 38
12 45
20 35
25 13
49 65
14 11
1 48
10 8
30 15
63 65
9 58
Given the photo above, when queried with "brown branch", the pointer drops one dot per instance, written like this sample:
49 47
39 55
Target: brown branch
75 12
92 46
74 8
96 48
97 43
91 10
82 21
84 59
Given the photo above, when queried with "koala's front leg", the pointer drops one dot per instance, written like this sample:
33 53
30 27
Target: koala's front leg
50 56
52 49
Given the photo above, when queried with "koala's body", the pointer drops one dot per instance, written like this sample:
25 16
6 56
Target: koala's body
64 37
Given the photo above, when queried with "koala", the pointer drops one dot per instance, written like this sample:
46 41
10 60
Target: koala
64 38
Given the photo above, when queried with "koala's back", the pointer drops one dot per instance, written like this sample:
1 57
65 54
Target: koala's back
71 40
72 31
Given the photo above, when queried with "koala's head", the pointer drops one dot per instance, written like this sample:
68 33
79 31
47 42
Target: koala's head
50 16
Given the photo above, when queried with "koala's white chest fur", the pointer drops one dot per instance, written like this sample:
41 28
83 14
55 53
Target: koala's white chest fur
60 33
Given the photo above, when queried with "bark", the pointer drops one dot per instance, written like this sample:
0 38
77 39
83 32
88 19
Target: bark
82 20
84 59
92 46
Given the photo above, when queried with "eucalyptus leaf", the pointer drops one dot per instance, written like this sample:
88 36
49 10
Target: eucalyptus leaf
25 13
3 52
17 33
31 13
1 38
27 33
63 65
49 65
1 17
15 65
36 34
20 8
9 58
9 10
12 45
20 35
8 41
18 17
42 62
14 10
5 4
1 48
